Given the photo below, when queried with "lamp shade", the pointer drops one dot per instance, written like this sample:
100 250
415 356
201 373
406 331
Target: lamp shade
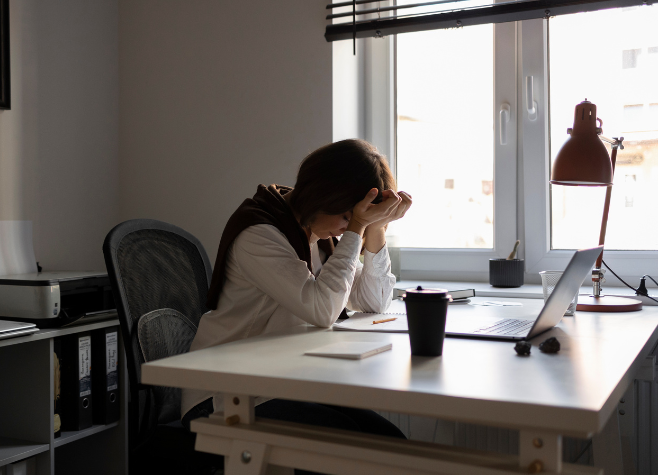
583 159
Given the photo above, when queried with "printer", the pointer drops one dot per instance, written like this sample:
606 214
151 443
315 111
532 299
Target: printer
55 299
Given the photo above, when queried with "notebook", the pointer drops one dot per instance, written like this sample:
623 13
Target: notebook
351 350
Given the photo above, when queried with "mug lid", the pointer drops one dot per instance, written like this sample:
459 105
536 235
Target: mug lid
421 293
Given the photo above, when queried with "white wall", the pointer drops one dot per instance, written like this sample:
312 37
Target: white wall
215 98
59 141
168 109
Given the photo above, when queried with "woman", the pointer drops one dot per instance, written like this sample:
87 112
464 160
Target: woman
277 267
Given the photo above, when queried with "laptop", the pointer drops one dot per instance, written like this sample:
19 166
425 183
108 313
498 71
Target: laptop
10 329
521 329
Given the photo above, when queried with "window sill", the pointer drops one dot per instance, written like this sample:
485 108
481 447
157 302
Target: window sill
527 291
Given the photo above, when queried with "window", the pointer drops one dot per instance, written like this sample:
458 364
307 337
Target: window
605 57
579 69
463 135
445 134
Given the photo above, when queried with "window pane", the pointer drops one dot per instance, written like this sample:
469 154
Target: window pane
445 137
608 57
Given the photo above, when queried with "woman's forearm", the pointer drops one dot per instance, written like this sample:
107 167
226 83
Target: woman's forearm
375 238
373 284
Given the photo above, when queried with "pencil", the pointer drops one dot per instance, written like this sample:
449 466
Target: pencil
375 322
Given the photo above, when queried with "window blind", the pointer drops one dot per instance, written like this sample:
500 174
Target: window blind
379 21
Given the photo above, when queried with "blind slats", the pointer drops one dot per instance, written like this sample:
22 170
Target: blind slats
455 18
370 11
349 4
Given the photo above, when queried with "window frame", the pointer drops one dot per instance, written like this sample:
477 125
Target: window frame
535 161
521 169
378 126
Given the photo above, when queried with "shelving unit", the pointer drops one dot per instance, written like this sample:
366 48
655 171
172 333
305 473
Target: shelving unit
27 406
71 436
13 450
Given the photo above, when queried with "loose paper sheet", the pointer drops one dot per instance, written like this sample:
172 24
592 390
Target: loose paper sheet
16 249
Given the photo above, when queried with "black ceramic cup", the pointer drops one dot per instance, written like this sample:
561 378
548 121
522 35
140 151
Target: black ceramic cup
426 316
506 272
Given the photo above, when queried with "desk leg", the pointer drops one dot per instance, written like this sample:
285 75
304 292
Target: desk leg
239 408
607 448
540 451
246 457
626 419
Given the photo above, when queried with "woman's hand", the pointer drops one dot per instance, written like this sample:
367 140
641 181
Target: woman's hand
400 210
366 213
376 232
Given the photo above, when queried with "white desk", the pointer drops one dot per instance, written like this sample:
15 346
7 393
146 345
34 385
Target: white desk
544 396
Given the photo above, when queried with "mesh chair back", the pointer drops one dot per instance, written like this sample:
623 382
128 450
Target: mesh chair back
163 333
159 274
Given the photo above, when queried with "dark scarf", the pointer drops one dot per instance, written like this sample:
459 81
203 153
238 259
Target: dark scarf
266 207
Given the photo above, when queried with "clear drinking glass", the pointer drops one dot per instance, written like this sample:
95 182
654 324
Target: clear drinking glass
549 279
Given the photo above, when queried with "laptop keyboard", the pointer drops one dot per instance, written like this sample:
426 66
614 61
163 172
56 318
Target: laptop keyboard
508 327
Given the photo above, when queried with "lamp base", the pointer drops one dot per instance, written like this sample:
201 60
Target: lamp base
607 303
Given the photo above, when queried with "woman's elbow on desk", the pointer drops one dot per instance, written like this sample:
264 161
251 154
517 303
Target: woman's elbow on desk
323 316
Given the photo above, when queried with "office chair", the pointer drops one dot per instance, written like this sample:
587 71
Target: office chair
159 275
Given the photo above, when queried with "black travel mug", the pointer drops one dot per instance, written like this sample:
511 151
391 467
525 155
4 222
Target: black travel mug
426 316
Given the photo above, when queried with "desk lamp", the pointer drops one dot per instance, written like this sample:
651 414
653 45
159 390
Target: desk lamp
584 161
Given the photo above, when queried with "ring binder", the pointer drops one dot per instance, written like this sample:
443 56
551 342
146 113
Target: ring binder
105 381
76 382
57 386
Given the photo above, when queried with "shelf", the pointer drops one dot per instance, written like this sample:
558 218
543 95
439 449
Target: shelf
71 436
56 332
26 411
13 450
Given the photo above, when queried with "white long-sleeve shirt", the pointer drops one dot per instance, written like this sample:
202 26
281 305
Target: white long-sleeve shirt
268 288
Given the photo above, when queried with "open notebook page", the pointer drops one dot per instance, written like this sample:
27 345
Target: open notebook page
363 321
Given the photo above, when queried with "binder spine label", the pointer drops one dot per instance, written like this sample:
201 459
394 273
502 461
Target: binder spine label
112 361
84 362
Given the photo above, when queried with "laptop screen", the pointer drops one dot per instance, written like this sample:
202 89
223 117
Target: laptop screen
569 284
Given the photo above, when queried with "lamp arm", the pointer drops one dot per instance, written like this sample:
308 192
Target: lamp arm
616 143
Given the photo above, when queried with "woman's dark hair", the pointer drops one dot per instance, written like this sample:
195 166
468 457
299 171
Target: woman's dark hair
334 178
